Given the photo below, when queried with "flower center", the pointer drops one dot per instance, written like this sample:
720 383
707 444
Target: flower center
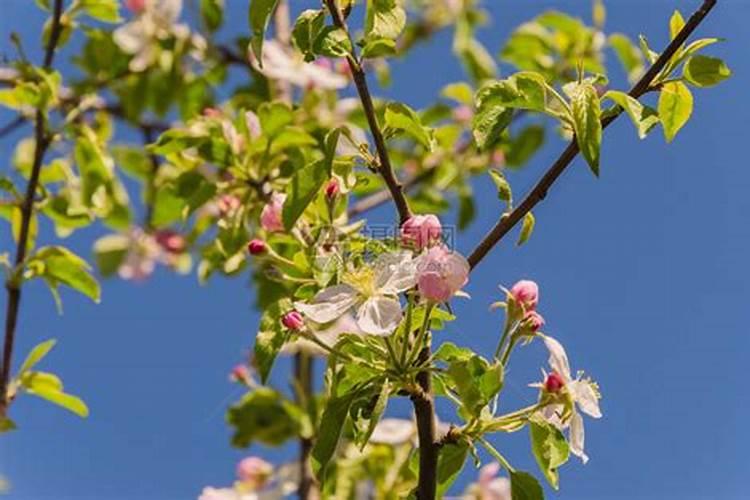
363 280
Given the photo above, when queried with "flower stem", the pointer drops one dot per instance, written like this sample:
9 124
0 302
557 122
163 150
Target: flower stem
418 344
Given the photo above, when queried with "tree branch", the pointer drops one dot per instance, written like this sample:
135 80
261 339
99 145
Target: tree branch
539 191
13 287
424 413
303 375
380 197
360 81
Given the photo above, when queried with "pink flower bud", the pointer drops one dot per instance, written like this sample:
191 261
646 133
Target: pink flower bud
534 321
526 293
332 188
135 6
270 217
293 320
463 114
171 241
421 231
554 383
240 373
256 247
254 472
441 273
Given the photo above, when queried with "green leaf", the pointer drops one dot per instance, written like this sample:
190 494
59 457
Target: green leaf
675 108
107 11
703 71
522 147
110 252
587 123
384 19
504 191
302 189
451 461
643 117
629 55
306 30
332 42
261 416
527 227
331 426
58 265
378 47
260 13
524 90
376 412
212 13
676 23
460 92
271 338
475 380
48 386
550 449
489 123
36 355
401 117
524 486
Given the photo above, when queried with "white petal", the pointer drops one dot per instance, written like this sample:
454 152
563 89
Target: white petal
577 437
323 78
379 315
393 431
329 304
551 414
130 37
558 360
395 272
586 397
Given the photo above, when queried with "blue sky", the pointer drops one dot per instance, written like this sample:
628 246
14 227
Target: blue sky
644 276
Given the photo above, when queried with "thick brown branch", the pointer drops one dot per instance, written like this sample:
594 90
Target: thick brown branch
303 374
424 412
27 210
539 191
360 81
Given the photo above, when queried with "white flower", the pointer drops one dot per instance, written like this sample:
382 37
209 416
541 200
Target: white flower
394 431
583 394
372 291
140 37
327 335
288 66
210 493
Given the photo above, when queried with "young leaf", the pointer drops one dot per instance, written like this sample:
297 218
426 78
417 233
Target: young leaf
527 227
48 386
587 123
629 55
503 188
401 117
58 265
550 449
331 426
261 416
489 123
384 19
703 71
260 13
306 30
36 354
271 338
332 42
676 23
450 463
302 189
212 13
6 425
675 108
524 486
643 117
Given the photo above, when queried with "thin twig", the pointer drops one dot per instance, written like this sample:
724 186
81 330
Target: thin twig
360 81
42 141
378 198
539 192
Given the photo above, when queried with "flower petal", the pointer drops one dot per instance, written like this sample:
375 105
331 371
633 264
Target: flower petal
577 437
586 397
395 272
329 304
393 431
379 315
558 360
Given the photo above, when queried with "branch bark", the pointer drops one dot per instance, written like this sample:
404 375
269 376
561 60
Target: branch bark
360 81
424 413
42 141
303 374
539 191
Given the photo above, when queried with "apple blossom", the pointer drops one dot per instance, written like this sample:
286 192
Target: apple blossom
171 241
526 293
270 217
280 63
421 231
332 188
293 320
135 6
490 486
240 373
441 273
326 335
582 394
533 321
254 472
257 247
372 291
554 382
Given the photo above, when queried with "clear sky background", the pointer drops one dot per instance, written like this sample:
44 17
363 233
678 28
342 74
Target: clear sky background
644 276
